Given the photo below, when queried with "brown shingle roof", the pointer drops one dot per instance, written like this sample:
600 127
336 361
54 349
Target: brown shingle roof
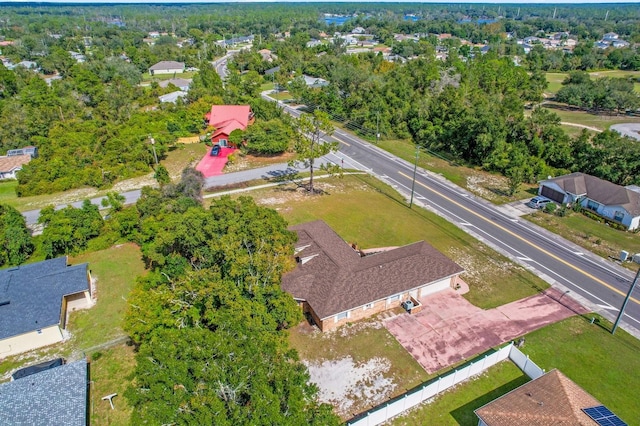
602 191
336 279
551 399
14 162
167 65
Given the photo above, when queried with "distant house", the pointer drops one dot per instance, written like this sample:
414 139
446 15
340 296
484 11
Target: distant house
172 97
315 82
30 65
226 119
31 150
79 57
335 284
34 301
10 165
56 396
180 83
167 67
619 44
610 37
602 45
313 43
551 399
267 55
358 30
607 199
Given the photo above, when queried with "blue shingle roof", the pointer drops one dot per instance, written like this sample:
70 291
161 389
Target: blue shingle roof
53 397
31 295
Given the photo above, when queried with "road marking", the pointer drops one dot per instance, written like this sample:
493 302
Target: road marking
578 253
524 258
524 240
611 308
340 140
465 224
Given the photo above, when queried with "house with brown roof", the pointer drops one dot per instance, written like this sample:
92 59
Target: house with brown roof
335 284
618 203
167 67
11 164
551 399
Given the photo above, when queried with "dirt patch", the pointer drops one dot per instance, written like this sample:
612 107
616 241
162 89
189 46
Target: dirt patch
190 139
247 162
489 187
343 382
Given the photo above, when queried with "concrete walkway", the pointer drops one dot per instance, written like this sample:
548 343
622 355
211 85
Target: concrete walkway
449 329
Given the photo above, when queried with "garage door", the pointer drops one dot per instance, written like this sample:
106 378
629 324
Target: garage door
552 194
435 287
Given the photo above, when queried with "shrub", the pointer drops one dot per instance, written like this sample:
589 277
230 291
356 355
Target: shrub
550 208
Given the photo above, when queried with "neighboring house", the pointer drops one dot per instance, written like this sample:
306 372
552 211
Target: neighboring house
56 396
358 30
34 301
335 284
602 45
173 97
610 37
31 150
315 82
273 70
10 165
607 199
551 399
180 83
167 67
313 43
30 65
619 44
267 55
79 57
226 119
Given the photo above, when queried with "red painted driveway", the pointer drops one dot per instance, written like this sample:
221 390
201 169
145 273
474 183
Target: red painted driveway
213 166
449 329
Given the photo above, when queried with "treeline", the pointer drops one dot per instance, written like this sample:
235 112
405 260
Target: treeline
471 111
604 94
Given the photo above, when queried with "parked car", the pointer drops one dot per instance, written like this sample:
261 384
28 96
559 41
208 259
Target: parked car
538 202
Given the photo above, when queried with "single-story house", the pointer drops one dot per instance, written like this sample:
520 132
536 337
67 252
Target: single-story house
315 82
335 284
167 67
618 203
56 396
173 97
30 150
610 36
226 119
551 399
619 44
10 165
34 301
180 83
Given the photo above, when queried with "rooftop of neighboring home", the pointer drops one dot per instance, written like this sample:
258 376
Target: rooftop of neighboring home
173 96
8 164
178 82
332 277
602 191
167 65
551 399
52 397
31 295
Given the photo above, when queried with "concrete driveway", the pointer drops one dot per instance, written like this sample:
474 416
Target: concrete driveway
449 329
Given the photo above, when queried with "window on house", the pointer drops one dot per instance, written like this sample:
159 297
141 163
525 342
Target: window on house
592 205
342 316
368 305
394 298
618 216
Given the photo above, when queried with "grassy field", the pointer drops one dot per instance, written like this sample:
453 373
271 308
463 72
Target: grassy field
115 270
588 233
348 206
111 371
601 122
455 406
147 78
555 79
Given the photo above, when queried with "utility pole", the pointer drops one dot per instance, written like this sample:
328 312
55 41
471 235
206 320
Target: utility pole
377 126
415 169
626 300
153 146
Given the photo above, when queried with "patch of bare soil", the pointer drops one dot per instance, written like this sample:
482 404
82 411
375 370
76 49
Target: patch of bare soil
478 268
247 162
487 186
342 383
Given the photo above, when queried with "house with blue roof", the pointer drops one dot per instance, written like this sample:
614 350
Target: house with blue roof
35 300
57 396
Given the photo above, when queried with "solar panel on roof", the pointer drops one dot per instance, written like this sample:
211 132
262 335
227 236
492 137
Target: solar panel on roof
603 416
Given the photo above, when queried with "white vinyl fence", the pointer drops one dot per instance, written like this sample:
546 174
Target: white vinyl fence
428 390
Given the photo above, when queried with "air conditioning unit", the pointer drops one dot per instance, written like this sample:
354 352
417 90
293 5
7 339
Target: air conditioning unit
636 258
624 255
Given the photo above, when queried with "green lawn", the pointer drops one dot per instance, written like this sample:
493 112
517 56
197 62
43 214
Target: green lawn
601 122
588 233
8 191
361 209
555 79
146 77
115 270
111 371
455 406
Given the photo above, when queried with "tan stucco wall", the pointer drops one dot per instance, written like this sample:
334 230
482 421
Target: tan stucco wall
28 341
